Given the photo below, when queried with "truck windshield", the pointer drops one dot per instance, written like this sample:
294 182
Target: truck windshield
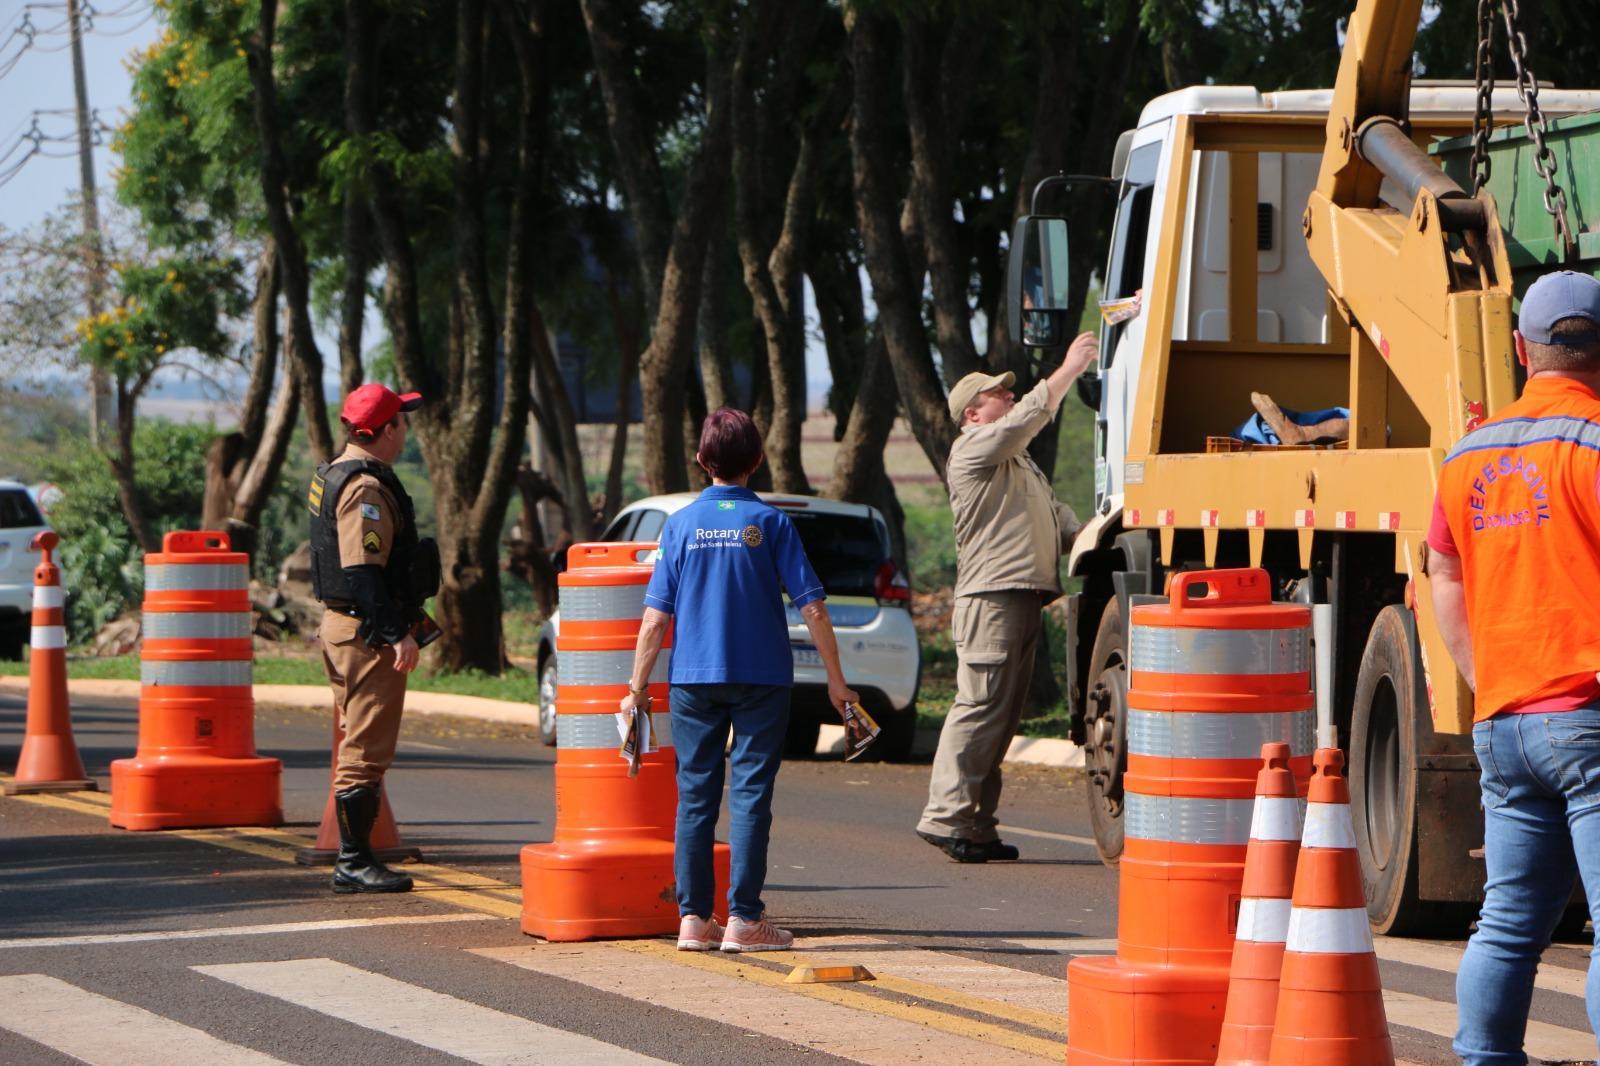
1125 272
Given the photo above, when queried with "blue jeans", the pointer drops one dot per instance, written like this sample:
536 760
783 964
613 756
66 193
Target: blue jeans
701 717
1540 776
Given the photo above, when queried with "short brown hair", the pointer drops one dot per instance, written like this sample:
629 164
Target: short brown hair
730 444
362 436
1584 355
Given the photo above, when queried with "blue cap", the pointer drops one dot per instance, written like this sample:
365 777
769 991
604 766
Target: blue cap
1563 294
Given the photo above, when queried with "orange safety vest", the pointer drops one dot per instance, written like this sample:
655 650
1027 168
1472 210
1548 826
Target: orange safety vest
1521 494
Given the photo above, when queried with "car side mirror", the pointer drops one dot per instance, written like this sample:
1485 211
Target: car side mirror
1036 282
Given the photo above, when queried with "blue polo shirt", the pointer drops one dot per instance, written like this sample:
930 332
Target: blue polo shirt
726 560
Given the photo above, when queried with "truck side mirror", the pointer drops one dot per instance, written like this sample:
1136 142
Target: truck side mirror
1036 282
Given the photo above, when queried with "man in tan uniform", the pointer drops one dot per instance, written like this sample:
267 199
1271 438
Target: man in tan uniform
364 551
1010 533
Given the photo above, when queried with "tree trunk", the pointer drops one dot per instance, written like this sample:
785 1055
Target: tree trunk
122 467
307 359
353 306
770 253
716 362
663 364
930 131
556 408
634 143
230 454
627 338
894 287
259 476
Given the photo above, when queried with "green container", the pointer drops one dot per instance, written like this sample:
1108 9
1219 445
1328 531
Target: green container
1531 241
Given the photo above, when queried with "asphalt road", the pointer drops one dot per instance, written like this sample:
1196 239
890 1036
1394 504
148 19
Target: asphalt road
254 952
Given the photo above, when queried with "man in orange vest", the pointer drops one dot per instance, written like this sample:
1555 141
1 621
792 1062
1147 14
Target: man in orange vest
1515 567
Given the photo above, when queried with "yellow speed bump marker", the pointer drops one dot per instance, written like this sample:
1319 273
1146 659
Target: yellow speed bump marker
811 975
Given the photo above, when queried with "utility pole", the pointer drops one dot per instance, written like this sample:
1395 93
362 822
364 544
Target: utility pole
102 404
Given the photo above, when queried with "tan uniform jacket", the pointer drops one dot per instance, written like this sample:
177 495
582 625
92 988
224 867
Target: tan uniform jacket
1010 530
367 519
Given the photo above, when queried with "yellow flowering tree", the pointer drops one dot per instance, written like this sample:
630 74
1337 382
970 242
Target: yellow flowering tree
170 308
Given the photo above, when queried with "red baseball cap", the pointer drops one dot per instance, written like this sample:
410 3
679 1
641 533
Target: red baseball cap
372 406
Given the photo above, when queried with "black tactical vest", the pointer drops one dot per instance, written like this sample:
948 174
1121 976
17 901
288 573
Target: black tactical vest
327 574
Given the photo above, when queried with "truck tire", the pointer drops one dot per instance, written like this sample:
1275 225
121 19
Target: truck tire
1106 728
1390 706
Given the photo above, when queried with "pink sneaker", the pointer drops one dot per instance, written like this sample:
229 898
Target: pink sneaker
761 935
698 934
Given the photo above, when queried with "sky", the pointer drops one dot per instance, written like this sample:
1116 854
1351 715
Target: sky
36 83
36 87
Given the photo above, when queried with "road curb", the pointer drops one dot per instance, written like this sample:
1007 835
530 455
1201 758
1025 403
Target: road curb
1033 751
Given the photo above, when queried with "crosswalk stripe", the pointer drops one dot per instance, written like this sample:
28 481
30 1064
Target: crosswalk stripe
859 1026
1067 945
980 987
1543 1041
235 930
1447 957
100 1030
420 1015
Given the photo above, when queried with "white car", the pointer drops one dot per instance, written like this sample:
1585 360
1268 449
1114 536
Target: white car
869 601
20 520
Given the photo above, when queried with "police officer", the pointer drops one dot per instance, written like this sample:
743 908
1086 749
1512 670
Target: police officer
364 553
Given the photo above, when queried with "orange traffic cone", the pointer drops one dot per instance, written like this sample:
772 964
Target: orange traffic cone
1330 1000
49 761
386 843
1263 914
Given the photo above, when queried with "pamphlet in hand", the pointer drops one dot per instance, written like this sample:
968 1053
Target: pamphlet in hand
1119 310
638 737
859 731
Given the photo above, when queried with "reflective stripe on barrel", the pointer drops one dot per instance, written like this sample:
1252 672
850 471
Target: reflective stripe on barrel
601 603
1186 820
600 731
1172 650
195 674
217 625
604 668
47 638
194 577
1203 735
48 597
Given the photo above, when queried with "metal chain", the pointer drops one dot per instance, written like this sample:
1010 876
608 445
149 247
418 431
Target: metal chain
1483 113
1544 160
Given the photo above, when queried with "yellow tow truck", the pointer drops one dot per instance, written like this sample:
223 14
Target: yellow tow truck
1307 246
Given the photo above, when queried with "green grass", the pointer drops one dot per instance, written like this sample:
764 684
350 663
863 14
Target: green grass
516 685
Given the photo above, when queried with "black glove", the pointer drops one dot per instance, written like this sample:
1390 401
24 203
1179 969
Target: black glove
382 620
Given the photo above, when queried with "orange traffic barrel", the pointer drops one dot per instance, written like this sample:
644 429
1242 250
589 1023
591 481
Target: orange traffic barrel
1214 673
49 761
1330 998
196 763
608 872
1267 895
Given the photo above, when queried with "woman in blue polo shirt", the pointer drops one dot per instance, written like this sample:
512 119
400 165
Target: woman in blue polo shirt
725 562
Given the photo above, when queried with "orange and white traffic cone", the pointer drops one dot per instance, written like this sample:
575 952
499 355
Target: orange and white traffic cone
1330 999
1264 905
385 842
49 761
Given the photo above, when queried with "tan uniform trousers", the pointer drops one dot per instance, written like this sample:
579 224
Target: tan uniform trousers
369 695
996 635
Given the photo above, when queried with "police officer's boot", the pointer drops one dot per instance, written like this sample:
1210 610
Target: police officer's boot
357 869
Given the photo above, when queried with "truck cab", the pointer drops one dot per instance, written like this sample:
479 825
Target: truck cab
1214 224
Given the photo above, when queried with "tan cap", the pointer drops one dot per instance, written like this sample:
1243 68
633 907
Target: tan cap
966 390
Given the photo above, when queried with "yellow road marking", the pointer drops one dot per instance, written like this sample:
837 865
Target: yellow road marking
441 884
854 997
